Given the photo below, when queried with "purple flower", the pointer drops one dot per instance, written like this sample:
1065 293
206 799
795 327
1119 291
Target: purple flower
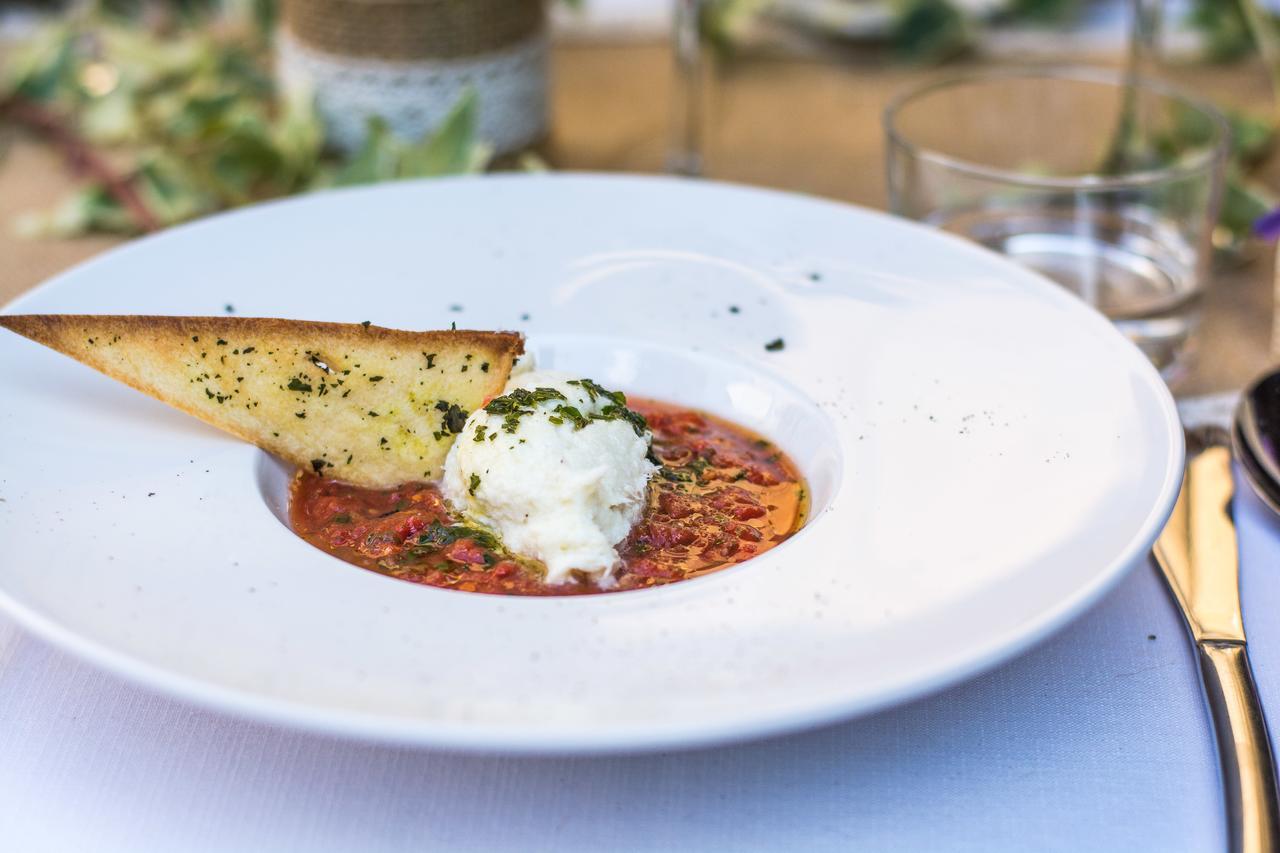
1267 226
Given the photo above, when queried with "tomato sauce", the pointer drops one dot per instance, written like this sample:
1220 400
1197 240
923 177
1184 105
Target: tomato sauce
722 496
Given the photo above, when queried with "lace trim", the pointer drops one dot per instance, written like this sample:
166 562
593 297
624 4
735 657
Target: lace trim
414 97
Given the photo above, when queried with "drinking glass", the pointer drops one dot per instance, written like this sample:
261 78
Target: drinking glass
684 152
1108 184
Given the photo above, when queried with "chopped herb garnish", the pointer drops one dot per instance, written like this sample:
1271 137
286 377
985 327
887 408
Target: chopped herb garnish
431 359
519 403
365 323
438 535
341 518
247 350
375 378
373 414
454 419
475 484
299 414
776 345
484 367
317 465
221 342
571 413
594 390
296 384
479 434
522 401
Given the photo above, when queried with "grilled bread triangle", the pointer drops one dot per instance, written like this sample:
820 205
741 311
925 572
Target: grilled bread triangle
371 406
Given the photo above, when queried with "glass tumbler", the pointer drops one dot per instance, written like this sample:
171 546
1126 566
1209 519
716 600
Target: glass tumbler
1106 184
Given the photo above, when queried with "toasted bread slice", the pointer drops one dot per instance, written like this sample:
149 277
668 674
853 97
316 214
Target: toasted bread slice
374 407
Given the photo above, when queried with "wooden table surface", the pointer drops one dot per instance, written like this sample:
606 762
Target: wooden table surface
799 124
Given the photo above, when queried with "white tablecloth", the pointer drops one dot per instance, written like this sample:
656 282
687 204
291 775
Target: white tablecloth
1096 740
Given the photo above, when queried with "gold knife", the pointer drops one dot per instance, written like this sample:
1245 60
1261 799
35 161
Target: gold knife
1198 557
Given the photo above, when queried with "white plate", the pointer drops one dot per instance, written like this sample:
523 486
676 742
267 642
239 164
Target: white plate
986 455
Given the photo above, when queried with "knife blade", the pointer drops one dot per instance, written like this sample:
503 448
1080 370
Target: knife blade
1198 552
1198 557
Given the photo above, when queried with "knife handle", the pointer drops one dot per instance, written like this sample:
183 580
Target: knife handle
1244 747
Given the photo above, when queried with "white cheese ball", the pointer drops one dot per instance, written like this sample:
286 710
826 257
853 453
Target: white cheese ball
555 492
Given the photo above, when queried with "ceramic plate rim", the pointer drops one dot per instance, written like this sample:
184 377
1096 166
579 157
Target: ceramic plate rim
945 671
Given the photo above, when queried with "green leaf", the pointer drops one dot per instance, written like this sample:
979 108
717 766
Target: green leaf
84 211
1224 29
110 119
930 31
376 159
44 67
298 135
1252 137
171 191
1243 203
452 149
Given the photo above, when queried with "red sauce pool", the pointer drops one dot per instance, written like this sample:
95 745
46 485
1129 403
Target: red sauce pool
722 496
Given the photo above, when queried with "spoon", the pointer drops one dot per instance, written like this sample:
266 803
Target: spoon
1255 437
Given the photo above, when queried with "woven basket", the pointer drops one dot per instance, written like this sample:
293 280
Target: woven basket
412 29
409 61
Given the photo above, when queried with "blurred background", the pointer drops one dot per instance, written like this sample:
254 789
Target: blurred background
126 116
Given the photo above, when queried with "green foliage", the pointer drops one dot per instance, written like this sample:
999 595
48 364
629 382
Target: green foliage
450 150
930 31
1043 11
191 121
1224 28
722 22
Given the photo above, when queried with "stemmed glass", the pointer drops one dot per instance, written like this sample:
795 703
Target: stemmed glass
684 155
